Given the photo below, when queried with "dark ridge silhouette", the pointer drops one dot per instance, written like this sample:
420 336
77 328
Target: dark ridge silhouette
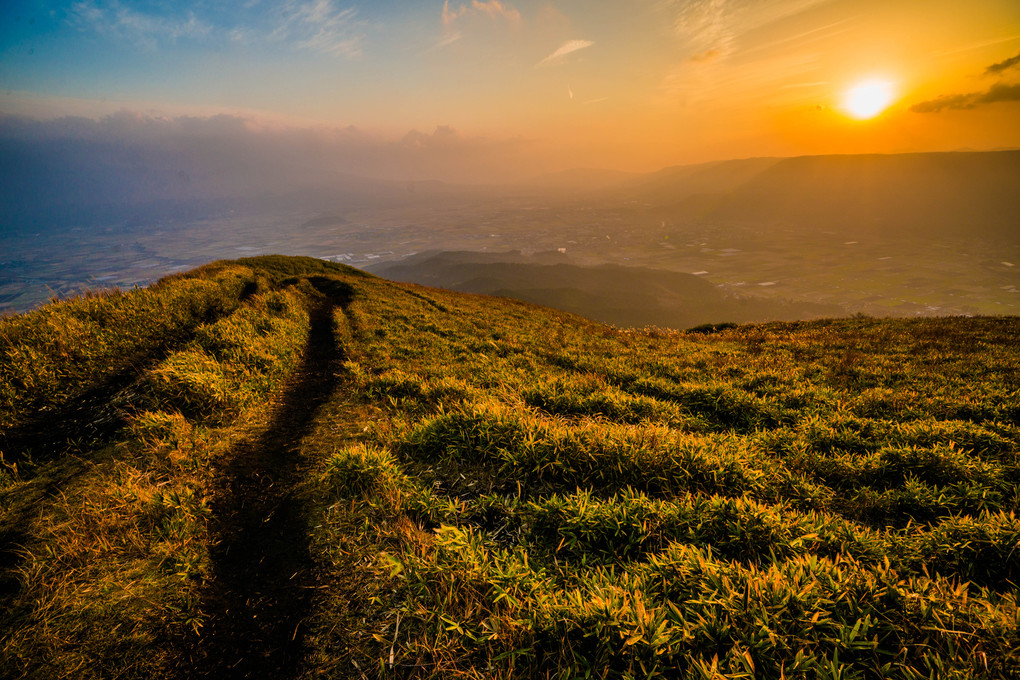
262 575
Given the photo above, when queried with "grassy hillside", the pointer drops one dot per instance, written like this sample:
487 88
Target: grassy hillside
298 470
613 294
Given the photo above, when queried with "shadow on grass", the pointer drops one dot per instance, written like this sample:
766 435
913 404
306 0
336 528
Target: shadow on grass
262 574
91 418
49 449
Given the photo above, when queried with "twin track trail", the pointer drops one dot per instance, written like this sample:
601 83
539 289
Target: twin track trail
262 575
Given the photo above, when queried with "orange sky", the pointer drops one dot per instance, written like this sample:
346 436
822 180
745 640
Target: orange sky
635 85
771 84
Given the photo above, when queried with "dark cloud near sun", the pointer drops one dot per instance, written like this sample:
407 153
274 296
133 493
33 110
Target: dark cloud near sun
997 93
1003 65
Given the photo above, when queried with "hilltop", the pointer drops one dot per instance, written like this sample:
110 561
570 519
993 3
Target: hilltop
281 467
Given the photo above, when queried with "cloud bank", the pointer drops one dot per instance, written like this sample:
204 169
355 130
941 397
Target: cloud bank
130 158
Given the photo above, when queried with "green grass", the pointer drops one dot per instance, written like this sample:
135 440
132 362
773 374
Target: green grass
110 571
52 355
499 490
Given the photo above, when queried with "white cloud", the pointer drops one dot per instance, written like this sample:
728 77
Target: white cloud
447 40
320 26
566 48
145 30
494 9
716 25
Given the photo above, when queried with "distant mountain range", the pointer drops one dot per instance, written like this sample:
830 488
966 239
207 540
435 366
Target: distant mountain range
952 193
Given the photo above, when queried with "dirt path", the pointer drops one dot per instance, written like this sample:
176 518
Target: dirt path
262 576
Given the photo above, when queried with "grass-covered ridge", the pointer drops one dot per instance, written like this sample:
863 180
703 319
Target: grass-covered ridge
462 486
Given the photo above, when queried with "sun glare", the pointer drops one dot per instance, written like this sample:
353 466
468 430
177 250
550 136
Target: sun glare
868 98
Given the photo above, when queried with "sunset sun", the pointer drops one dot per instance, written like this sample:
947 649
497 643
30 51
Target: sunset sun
868 98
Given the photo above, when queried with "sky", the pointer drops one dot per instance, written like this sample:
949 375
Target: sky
487 90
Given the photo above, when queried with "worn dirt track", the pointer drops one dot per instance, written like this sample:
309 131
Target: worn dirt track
262 576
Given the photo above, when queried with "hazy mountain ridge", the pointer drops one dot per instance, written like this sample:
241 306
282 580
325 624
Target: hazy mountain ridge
923 194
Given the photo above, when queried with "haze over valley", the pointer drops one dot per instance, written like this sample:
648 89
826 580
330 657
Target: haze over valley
745 240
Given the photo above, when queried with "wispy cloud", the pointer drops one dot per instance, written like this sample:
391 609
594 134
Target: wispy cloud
316 25
799 41
144 30
320 26
1003 65
456 18
241 35
747 80
999 92
494 9
565 49
716 25
722 57
791 86
447 40
977 45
